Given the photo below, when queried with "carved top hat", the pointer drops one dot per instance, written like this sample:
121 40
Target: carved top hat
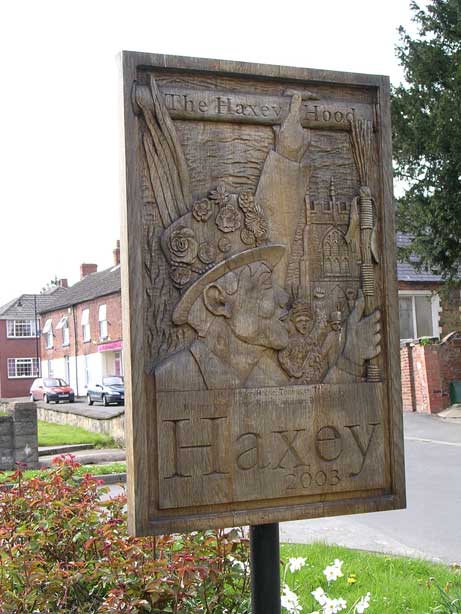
220 234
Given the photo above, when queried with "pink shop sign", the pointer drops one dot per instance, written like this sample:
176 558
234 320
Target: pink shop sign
110 347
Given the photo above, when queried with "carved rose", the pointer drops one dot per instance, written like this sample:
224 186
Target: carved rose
224 245
207 252
180 275
202 210
220 195
182 245
228 219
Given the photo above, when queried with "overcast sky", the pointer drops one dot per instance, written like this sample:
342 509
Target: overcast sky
59 144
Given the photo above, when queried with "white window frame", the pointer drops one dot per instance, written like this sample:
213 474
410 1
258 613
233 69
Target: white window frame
14 326
48 332
435 309
63 324
102 317
85 323
14 363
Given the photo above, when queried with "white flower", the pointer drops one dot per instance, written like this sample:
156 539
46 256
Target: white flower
338 605
333 572
319 596
289 601
333 606
243 566
296 563
363 604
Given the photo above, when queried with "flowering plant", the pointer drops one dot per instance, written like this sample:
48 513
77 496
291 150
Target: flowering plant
328 605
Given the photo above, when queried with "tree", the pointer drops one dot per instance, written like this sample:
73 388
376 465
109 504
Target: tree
426 115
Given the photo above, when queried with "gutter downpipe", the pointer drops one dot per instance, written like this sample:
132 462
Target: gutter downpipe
74 318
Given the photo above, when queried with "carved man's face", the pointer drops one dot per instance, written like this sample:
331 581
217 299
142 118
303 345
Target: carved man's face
253 306
302 323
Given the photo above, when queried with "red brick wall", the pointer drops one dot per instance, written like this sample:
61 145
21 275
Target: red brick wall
114 327
427 372
14 348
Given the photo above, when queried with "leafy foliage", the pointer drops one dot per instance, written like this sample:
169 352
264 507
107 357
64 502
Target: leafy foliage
64 549
426 115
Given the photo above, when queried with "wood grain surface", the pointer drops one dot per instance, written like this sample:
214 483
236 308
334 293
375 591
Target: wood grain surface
259 294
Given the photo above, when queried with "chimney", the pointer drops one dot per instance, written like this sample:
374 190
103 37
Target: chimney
63 283
87 269
116 253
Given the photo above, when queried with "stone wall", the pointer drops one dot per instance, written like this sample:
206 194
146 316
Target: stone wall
113 426
427 371
18 435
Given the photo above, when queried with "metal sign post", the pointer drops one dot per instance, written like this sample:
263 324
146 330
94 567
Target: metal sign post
265 568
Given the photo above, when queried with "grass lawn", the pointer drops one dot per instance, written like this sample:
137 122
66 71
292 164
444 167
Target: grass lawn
397 585
92 469
50 434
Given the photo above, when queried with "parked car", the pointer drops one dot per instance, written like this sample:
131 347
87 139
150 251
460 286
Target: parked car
49 389
112 390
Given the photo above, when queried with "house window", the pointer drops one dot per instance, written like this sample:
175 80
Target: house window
419 314
102 322
50 368
23 367
64 326
21 328
48 332
86 325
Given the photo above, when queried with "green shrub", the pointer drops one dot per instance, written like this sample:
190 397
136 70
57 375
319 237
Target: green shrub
64 549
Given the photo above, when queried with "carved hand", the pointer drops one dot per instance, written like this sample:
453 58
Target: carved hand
363 334
292 140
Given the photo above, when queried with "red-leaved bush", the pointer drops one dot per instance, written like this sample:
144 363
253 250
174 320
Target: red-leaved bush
64 549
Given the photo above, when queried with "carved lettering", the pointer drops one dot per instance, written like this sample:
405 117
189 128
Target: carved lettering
290 448
212 447
254 452
203 106
364 449
177 473
328 443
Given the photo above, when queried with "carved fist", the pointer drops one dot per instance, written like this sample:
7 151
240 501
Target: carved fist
363 334
292 140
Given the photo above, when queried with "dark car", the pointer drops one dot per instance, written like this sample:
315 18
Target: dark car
49 389
112 390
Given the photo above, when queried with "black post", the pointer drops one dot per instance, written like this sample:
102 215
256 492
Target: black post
265 568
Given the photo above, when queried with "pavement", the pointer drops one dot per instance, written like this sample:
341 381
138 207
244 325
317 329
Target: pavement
81 408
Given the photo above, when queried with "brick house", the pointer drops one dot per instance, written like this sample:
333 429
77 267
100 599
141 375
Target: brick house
82 329
427 310
20 341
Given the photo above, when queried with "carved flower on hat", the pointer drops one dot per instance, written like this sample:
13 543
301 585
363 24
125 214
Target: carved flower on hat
207 252
220 195
182 245
202 210
228 219
224 245
180 275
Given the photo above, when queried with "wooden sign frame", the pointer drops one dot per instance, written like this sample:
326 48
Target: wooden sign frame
351 427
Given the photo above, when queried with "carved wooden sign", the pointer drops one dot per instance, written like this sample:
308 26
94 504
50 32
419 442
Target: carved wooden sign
262 369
